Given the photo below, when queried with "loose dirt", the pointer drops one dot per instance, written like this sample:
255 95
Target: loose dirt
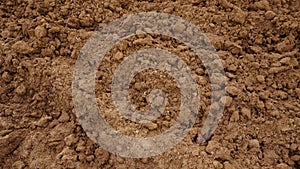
258 42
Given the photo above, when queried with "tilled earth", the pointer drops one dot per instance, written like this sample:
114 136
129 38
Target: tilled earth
258 42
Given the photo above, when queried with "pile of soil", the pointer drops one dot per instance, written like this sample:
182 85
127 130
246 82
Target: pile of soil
259 44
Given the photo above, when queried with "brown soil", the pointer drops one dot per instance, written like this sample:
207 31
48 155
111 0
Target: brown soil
258 41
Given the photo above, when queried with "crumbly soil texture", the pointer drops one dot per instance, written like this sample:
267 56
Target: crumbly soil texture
258 42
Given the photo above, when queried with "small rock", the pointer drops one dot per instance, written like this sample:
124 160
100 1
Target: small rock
270 15
40 31
254 143
22 47
246 112
18 165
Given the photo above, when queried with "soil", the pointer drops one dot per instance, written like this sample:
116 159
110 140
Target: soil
258 42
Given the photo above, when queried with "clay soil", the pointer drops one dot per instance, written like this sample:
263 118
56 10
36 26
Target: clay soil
258 42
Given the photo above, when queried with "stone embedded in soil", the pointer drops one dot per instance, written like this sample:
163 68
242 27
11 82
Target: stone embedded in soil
22 47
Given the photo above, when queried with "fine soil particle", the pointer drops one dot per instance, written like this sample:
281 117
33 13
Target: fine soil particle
258 42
